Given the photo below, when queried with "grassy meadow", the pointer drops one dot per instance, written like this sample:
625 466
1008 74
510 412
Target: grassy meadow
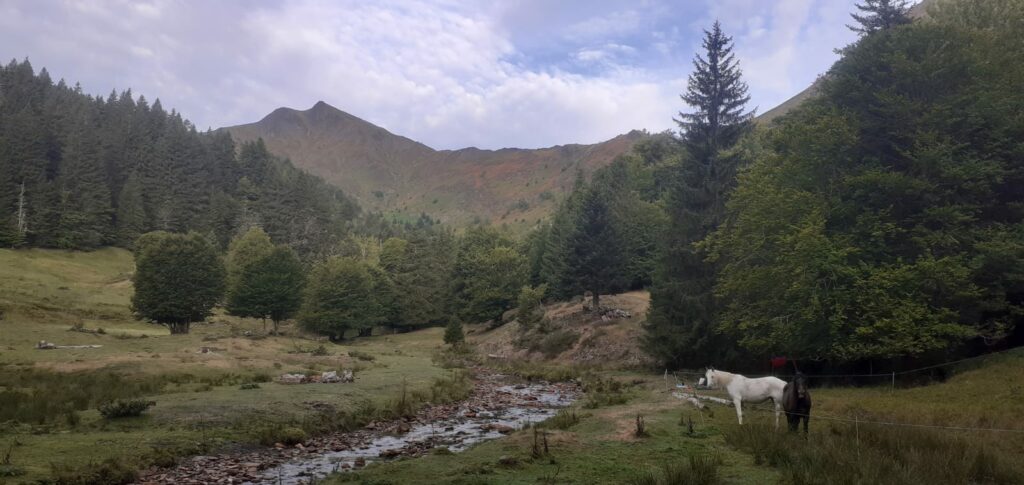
603 446
48 398
51 429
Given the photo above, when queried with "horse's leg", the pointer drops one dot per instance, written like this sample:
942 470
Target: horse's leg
807 421
778 411
793 421
739 410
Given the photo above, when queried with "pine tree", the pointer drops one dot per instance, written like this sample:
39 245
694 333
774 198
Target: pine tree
681 323
595 248
453 334
879 15
131 212
85 215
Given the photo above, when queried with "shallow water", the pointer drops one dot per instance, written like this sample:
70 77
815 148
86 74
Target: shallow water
457 434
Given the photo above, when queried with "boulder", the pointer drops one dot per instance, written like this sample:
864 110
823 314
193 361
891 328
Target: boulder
329 377
292 379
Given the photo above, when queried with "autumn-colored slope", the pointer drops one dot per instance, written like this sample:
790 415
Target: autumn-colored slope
403 177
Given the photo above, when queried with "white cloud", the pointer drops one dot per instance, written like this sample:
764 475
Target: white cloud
783 45
446 73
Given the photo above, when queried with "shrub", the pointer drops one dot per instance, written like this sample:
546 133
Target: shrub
11 471
641 427
356 354
699 469
453 388
249 385
565 419
286 435
107 472
604 392
263 376
320 351
884 454
555 342
124 408
453 334
530 311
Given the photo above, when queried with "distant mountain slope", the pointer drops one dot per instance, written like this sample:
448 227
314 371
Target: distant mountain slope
400 176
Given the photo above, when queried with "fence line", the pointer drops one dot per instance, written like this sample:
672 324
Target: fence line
762 408
894 423
884 374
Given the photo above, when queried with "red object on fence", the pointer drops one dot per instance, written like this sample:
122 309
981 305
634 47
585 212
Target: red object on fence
778 362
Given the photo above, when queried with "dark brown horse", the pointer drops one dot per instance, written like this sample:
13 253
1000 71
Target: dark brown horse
796 402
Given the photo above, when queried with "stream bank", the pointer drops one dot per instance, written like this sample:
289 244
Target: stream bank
499 404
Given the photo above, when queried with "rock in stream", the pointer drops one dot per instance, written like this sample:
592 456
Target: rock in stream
496 407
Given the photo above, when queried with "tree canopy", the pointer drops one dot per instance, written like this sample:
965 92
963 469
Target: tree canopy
883 218
178 279
80 172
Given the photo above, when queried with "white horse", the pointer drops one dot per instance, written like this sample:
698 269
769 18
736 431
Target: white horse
743 389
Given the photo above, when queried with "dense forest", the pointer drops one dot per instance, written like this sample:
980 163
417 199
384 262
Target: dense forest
79 172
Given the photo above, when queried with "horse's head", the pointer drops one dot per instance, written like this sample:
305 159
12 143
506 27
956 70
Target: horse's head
800 382
709 377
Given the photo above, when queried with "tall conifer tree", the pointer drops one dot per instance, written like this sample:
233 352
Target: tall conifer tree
131 212
594 256
681 321
880 15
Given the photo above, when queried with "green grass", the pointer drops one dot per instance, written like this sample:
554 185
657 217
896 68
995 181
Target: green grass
600 446
596 447
199 405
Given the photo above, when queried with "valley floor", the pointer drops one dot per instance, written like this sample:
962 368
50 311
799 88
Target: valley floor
50 428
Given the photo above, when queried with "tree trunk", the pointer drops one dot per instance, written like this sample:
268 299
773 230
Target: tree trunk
22 225
597 302
275 325
178 328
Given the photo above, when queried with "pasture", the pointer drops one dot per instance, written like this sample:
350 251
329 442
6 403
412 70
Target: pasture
48 398
51 426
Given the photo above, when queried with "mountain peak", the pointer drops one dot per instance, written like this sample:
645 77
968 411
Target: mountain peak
323 106
399 176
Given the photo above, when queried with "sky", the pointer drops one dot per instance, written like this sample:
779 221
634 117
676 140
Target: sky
451 74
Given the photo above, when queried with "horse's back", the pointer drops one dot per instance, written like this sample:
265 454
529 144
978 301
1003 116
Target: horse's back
760 388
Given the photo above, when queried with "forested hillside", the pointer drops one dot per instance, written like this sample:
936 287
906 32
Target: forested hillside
880 219
80 172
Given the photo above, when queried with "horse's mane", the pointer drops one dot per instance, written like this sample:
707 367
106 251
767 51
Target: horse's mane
725 377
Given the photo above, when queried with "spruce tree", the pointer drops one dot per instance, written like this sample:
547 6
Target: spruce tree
453 334
681 322
595 254
879 15
131 212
